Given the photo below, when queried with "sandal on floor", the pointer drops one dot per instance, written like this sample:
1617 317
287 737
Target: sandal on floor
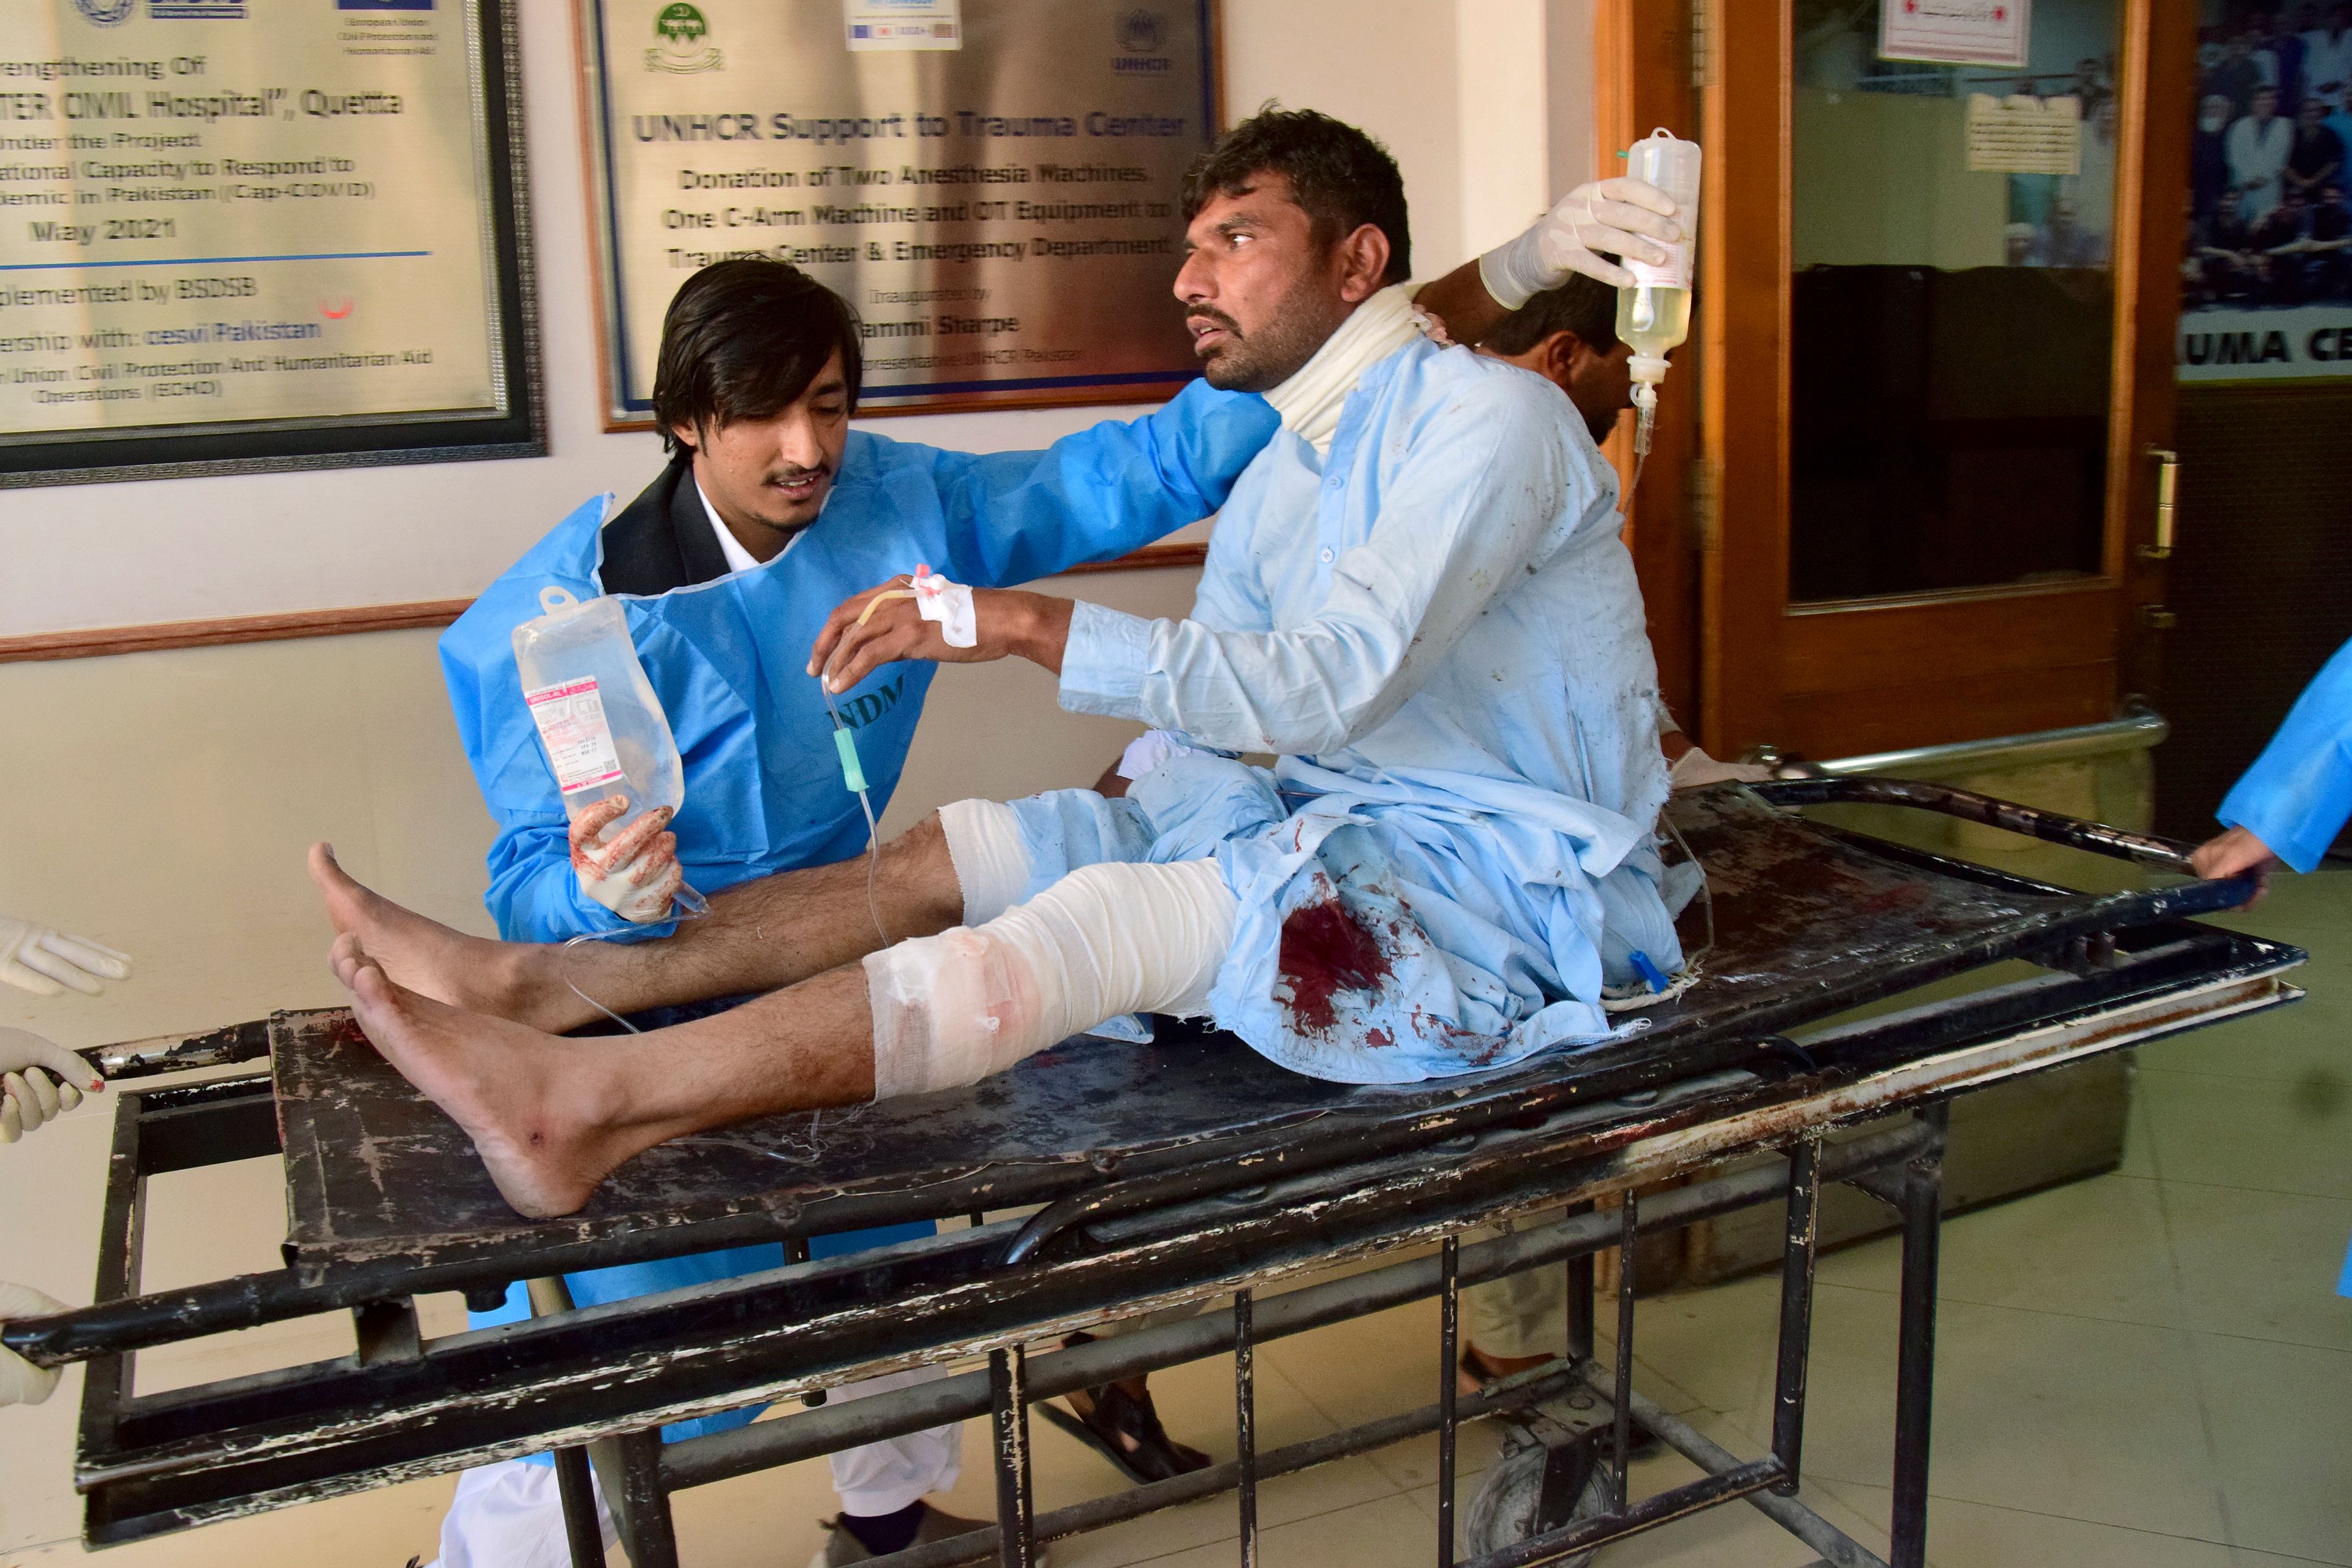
1156 1456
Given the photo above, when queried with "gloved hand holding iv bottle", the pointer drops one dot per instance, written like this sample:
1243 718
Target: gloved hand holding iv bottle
1654 310
615 762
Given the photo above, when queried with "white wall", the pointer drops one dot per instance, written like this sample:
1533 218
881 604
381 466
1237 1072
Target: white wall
114 555
161 802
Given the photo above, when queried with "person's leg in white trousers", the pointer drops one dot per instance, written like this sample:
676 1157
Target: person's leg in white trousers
508 1515
885 1476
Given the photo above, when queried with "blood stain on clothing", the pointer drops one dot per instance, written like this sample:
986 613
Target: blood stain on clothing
1325 951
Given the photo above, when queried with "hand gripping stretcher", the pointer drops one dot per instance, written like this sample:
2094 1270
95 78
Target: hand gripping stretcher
1190 1171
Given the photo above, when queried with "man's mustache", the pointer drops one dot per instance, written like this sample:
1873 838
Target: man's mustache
795 476
1214 317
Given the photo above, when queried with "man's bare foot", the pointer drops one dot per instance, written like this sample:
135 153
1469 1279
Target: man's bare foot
505 980
545 1114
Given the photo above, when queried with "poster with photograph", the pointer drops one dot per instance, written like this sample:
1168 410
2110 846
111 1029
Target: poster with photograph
2266 268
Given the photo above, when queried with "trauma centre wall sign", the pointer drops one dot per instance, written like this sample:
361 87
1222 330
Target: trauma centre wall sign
237 235
994 184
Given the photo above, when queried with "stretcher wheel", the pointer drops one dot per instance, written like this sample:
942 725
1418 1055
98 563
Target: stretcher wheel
1510 1506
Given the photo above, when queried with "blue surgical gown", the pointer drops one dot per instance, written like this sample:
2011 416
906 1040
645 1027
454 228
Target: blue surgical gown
2298 794
1438 631
729 659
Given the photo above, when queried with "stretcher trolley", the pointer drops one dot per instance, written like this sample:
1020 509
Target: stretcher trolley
1188 1171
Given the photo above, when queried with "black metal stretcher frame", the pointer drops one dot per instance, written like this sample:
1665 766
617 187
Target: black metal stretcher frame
595 1383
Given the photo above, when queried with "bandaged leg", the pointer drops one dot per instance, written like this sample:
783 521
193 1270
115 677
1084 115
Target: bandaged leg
991 866
1006 853
951 1009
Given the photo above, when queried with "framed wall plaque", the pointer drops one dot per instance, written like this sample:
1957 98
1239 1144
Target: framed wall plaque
992 184
237 235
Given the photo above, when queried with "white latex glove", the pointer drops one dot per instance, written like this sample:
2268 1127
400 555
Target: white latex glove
1622 216
45 960
1695 768
22 1383
636 873
40 1080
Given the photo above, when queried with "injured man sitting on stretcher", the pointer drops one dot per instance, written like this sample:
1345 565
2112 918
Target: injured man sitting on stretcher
1415 597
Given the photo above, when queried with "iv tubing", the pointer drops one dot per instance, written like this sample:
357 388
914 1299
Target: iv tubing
872 833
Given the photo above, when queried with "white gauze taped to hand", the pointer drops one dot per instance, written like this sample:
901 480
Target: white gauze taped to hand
949 603
991 866
951 1009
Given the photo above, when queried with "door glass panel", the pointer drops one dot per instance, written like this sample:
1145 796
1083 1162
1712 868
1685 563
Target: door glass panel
1952 326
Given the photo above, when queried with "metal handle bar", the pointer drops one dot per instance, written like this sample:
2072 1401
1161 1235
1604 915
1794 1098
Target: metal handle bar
1968 806
160 1054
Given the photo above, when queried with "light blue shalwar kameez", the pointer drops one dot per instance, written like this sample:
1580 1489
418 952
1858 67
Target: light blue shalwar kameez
1438 632
2298 794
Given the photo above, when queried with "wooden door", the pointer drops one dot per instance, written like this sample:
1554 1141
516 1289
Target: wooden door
1928 395
1644 78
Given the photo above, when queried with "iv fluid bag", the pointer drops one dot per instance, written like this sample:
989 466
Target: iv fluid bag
604 728
1654 313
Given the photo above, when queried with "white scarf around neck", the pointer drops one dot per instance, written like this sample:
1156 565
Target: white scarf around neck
1310 400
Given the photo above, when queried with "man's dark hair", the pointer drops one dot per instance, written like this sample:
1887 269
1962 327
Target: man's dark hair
742 338
1585 306
1341 177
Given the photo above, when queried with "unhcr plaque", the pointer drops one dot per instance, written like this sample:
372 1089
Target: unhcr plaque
992 184
237 234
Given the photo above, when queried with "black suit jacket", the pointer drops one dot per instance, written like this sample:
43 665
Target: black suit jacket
663 538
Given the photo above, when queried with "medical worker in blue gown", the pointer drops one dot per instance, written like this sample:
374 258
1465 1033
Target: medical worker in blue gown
2294 801
772 511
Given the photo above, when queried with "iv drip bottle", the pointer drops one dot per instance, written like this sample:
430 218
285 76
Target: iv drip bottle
597 716
1654 313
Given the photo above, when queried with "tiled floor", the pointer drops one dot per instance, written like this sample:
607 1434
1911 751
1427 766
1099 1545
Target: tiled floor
2145 1370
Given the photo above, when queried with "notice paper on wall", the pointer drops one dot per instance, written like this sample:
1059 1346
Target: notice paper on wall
2025 135
1955 32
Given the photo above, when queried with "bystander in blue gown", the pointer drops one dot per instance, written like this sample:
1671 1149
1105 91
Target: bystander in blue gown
2298 794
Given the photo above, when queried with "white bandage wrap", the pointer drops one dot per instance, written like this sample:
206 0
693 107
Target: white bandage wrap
951 1009
991 866
1310 400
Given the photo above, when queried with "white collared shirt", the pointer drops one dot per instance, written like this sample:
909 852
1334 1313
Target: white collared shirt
738 558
